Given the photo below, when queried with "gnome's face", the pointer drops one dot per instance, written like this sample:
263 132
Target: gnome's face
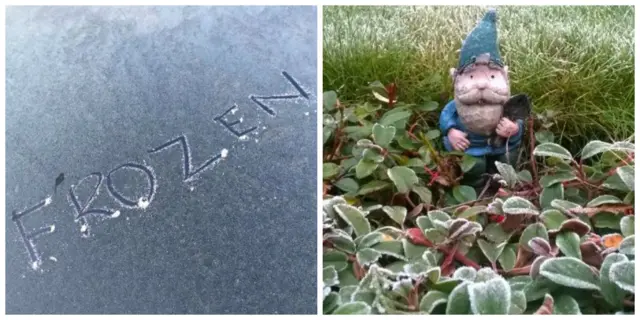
481 89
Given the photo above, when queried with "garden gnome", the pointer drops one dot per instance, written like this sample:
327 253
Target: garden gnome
476 120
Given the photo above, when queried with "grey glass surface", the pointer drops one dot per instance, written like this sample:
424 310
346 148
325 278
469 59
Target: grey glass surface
197 126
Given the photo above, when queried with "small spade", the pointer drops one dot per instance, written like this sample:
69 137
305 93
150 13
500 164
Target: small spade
59 181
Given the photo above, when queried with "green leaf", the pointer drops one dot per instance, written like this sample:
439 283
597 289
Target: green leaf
518 302
428 106
604 199
518 205
329 276
356 307
365 168
508 173
396 213
570 272
564 205
458 302
383 135
390 117
551 193
565 304
341 241
329 170
553 218
494 233
627 175
424 193
372 155
627 226
491 251
432 299
595 147
329 99
347 185
404 178
623 275
491 297
606 220
354 217
544 136
627 246
472 212
538 288
532 231
367 256
569 244
464 193
335 258
610 291
525 176
467 162
330 302
346 276
432 134
552 150
508 258
412 251
559 177
373 186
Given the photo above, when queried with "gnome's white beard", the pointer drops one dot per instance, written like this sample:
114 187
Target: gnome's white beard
479 119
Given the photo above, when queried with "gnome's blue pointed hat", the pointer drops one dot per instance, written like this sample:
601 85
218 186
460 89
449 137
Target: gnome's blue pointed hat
482 39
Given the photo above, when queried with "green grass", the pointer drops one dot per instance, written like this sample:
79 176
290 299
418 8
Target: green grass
578 61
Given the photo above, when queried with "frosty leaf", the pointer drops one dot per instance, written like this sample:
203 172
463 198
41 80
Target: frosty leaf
330 302
368 240
508 173
491 251
424 223
604 199
569 244
393 116
404 178
525 176
465 273
551 193
518 205
595 147
383 135
396 213
458 302
491 297
544 136
610 291
335 258
432 299
354 217
391 248
552 150
627 225
494 233
570 272
365 143
412 251
627 246
627 174
341 240
329 99
540 246
367 256
437 215
623 275
518 302
485 274
564 205
329 276
356 307
565 304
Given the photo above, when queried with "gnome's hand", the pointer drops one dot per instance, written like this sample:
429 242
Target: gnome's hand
458 139
507 128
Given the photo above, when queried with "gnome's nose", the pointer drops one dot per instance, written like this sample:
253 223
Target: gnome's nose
481 84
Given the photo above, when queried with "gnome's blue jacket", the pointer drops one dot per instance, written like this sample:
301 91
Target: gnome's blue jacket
479 145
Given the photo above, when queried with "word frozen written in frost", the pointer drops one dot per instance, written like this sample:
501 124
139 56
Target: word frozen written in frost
85 213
